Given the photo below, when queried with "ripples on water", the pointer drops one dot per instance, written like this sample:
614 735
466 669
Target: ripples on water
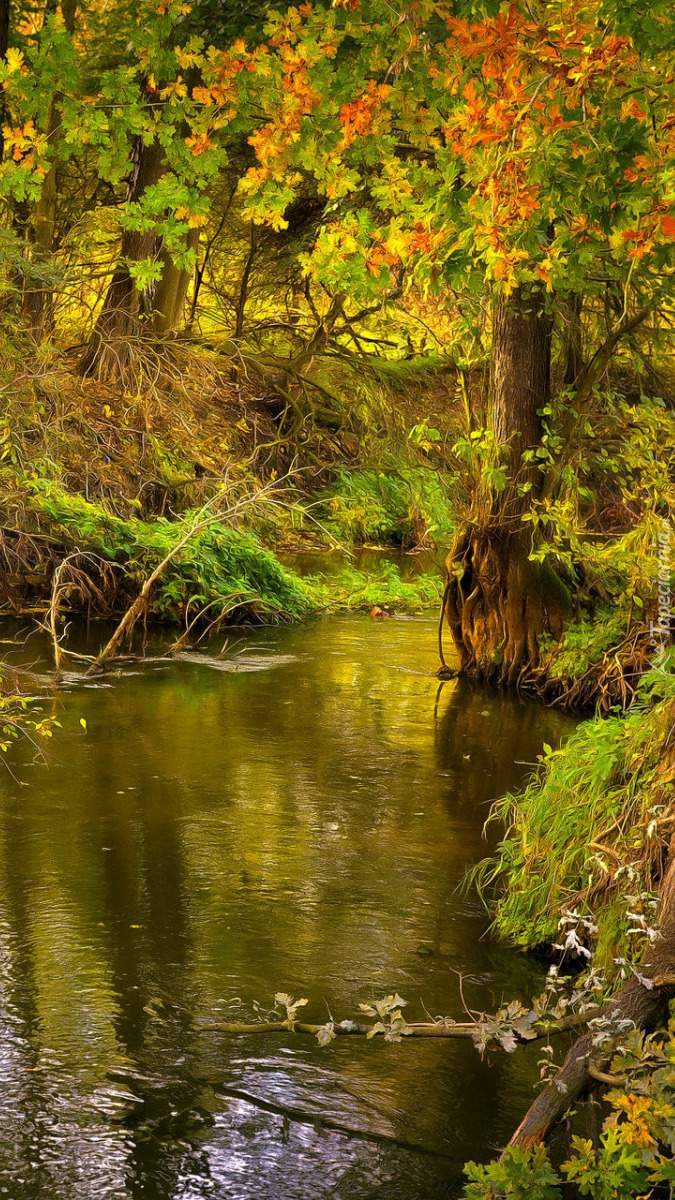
298 821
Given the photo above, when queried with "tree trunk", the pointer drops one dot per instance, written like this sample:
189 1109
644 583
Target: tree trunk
171 291
107 353
573 341
37 301
244 284
498 602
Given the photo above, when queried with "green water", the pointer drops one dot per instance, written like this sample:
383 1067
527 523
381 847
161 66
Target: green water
296 818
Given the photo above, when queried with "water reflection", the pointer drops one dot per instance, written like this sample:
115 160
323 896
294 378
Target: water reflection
215 835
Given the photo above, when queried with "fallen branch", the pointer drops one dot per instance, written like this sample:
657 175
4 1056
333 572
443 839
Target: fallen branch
206 516
421 1029
642 1004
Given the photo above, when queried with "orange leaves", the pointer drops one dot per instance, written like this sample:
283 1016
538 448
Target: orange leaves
199 143
668 225
356 118
642 241
24 142
631 108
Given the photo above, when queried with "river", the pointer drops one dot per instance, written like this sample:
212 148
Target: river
297 817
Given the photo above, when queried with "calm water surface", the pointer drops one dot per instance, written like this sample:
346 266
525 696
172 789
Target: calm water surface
300 823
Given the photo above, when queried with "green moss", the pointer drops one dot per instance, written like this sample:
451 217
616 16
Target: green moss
219 565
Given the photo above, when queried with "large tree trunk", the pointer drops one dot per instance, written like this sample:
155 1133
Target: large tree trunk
498 602
107 354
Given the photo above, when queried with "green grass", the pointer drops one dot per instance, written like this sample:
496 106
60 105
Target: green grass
590 810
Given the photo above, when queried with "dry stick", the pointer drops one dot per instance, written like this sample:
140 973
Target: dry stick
52 618
137 608
54 609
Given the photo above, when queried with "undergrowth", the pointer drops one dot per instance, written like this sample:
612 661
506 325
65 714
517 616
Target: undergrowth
382 588
399 506
584 642
220 566
591 829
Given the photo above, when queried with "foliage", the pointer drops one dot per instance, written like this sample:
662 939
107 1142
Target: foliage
634 1152
391 506
219 565
523 1175
382 587
590 829
515 147
21 717
585 641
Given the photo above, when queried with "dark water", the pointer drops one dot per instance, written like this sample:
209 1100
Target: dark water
299 824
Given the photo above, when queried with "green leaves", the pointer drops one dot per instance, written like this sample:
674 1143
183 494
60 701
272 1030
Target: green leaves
391 1022
522 1175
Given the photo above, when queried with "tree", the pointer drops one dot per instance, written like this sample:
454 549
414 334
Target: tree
519 161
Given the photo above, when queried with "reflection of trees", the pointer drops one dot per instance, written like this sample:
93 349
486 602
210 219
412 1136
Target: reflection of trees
24 1100
500 732
300 829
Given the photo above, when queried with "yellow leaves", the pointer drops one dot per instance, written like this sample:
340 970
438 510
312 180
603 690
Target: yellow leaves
396 244
13 60
175 90
185 58
193 219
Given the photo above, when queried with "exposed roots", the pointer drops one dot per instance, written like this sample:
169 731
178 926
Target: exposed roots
500 608
498 604
607 683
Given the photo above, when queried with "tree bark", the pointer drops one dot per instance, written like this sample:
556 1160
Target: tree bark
37 301
244 284
573 341
498 602
107 353
171 291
